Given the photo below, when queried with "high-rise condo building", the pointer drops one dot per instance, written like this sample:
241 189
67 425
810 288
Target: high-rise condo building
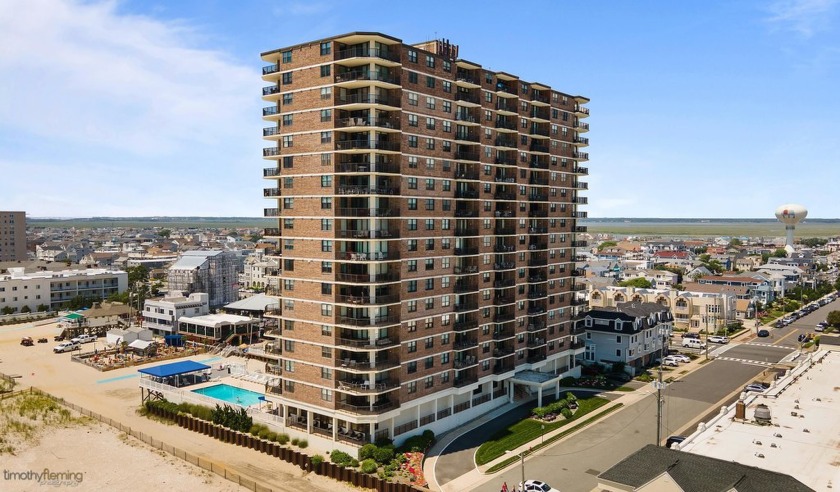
426 217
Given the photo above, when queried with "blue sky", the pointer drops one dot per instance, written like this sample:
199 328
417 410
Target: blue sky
699 109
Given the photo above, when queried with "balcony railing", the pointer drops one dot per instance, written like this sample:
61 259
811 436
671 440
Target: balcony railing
468 193
367 190
367 409
367 75
271 151
380 123
272 89
367 233
366 321
466 136
270 69
270 131
367 212
466 174
366 144
271 212
465 325
510 125
535 147
466 156
270 172
271 192
367 278
466 96
365 364
505 142
466 231
270 110
271 231
505 161
368 99
372 256
366 52
464 77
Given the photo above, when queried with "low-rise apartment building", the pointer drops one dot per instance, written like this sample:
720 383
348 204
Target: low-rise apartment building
161 315
19 289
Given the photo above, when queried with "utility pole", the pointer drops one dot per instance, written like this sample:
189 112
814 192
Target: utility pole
659 385
707 331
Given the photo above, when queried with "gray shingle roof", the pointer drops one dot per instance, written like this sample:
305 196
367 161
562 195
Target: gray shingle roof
698 473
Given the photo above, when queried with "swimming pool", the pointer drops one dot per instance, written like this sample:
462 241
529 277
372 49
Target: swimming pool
231 394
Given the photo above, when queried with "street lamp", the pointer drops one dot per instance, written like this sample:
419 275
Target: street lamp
521 463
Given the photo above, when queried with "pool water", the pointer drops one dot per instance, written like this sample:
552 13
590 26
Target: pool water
231 394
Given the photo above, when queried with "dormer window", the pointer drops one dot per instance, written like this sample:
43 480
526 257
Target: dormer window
587 322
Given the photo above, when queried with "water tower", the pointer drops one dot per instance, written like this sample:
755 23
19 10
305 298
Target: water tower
790 214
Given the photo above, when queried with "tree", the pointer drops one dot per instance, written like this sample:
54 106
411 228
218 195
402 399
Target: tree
136 274
833 318
164 233
735 242
780 253
638 282
7 310
255 238
42 308
814 242
765 257
26 309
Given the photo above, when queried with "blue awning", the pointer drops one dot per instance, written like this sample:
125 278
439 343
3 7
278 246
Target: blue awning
174 369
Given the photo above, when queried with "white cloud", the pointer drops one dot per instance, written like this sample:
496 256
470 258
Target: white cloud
106 113
84 73
805 17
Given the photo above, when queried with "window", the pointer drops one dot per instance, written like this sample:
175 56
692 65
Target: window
412 387
287 57
430 102
326 181
411 265
326 224
326 289
430 184
287 78
288 182
430 380
326 309
288 386
430 204
411 224
288 244
429 304
411 244
447 106
411 326
326 48
412 286
287 120
289 345
326 203
326 92
288 223
325 70
447 86
412 346
412 120
287 99
288 265
444 378
412 141
288 203
430 282
444 340
430 225
430 123
412 183
412 56
430 61
288 365
430 143
447 66
447 126
326 373
412 77
326 246
412 99
326 115
412 204
412 162
288 141
326 394
326 137
430 82
326 330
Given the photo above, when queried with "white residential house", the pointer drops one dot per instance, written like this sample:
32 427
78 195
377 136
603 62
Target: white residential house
161 315
630 333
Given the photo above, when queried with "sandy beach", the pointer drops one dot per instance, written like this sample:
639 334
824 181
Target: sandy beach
104 457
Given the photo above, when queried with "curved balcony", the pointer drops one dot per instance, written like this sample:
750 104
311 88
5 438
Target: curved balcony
366 123
367 300
367 212
271 172
367 145
367 52
372 256
462 155
363 100
367 234
353 77
356 386
272 192
366 190
271 232
362 278
367 321
378 407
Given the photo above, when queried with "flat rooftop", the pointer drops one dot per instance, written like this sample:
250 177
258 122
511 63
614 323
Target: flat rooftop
803 440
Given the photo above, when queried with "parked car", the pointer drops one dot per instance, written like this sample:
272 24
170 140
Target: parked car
84 338
819 327
718 339
754 387
681 357
66 347
26 341
763 333
537 486
669 360
691 334
674 440
779 324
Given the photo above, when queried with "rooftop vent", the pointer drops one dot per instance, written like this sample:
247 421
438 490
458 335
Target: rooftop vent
762 413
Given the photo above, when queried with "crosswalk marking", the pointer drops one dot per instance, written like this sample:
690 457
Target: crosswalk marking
759 344
746 361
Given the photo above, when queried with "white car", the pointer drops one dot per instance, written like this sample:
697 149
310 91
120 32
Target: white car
84 338
669 360
66 347
681 357
718 339
754 387
537 486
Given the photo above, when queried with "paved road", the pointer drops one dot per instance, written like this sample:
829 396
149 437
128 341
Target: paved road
458 458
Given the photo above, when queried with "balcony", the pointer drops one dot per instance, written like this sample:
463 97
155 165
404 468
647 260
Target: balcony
505 125
465 344
366 52
538 197
465 117
270 69
466 306
466 174
390 123
503 334
466 231
379 407
466 97
466 156
367 321
504 195
271 212
538 230
467 78
504 231
466 213
504 282
579 244
372 256
536 262
466 251
368 234
536 147
468 324
583 156
466 136
367 212
375 75
536 180
271 172
581 110
461 287
503 316
465 362
538 213
368 99
367 190
505 161
364 166
466 193
348 364
271 152
270 111
581 126
580 229
532 327
584 171
271 192
581 141
535 342
537 164
504 248
271 131
502 105
367 144
356 385
362 278
580 200
505 142
272 89
271 232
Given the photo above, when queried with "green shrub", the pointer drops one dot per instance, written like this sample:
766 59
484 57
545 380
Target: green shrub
366 451
568 381
303 444
420 442
295 441
255 429
282 438
369 466
316 460
383 455
271 436
354 463
567 413
340 458
264 432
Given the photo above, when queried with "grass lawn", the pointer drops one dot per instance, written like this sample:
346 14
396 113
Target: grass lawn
625 388
529 429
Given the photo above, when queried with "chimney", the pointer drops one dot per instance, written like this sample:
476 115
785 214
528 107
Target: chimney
740 410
